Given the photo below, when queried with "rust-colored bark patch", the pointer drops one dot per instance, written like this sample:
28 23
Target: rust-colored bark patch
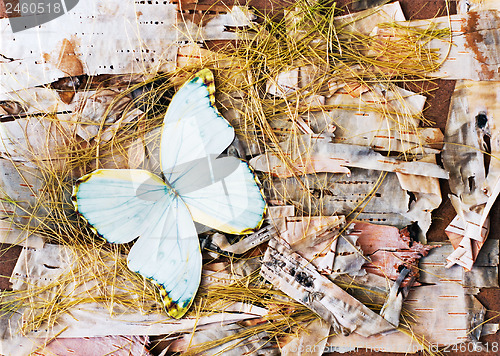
473 38
389 250
68 61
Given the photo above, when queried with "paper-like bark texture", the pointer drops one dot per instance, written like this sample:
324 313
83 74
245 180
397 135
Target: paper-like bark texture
445 310
35 139
473 115
365 195
257 344
484 274
20 186
391 310
364 21
10 234
276 218
93 106
311 342
470 54
466 238
215 28
84 33
390 101
308 154
95 321
464 6
472 134
315 239
389 250
115 37
277 215
295 276
249 242
43 266
329 194
112 345
385 118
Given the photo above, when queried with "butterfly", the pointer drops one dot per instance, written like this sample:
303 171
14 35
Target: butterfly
198 185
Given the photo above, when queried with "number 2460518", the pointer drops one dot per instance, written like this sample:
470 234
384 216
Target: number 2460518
33 8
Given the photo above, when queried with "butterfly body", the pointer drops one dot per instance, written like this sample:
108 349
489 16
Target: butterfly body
222 193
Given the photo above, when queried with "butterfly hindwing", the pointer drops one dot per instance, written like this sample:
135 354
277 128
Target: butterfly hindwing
125 204
170 255
226 198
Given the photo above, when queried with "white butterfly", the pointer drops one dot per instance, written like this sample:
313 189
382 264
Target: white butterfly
221 193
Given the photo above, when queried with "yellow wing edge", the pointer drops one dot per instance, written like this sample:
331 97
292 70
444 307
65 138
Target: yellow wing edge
173 309
207 78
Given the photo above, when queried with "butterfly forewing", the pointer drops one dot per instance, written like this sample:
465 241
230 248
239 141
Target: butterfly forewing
112 202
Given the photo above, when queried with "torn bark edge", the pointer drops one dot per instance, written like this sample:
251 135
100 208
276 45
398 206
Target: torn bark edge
296 276
247 243
394 302
472 230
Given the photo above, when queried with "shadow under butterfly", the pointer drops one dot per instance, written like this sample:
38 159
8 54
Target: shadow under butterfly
222 193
